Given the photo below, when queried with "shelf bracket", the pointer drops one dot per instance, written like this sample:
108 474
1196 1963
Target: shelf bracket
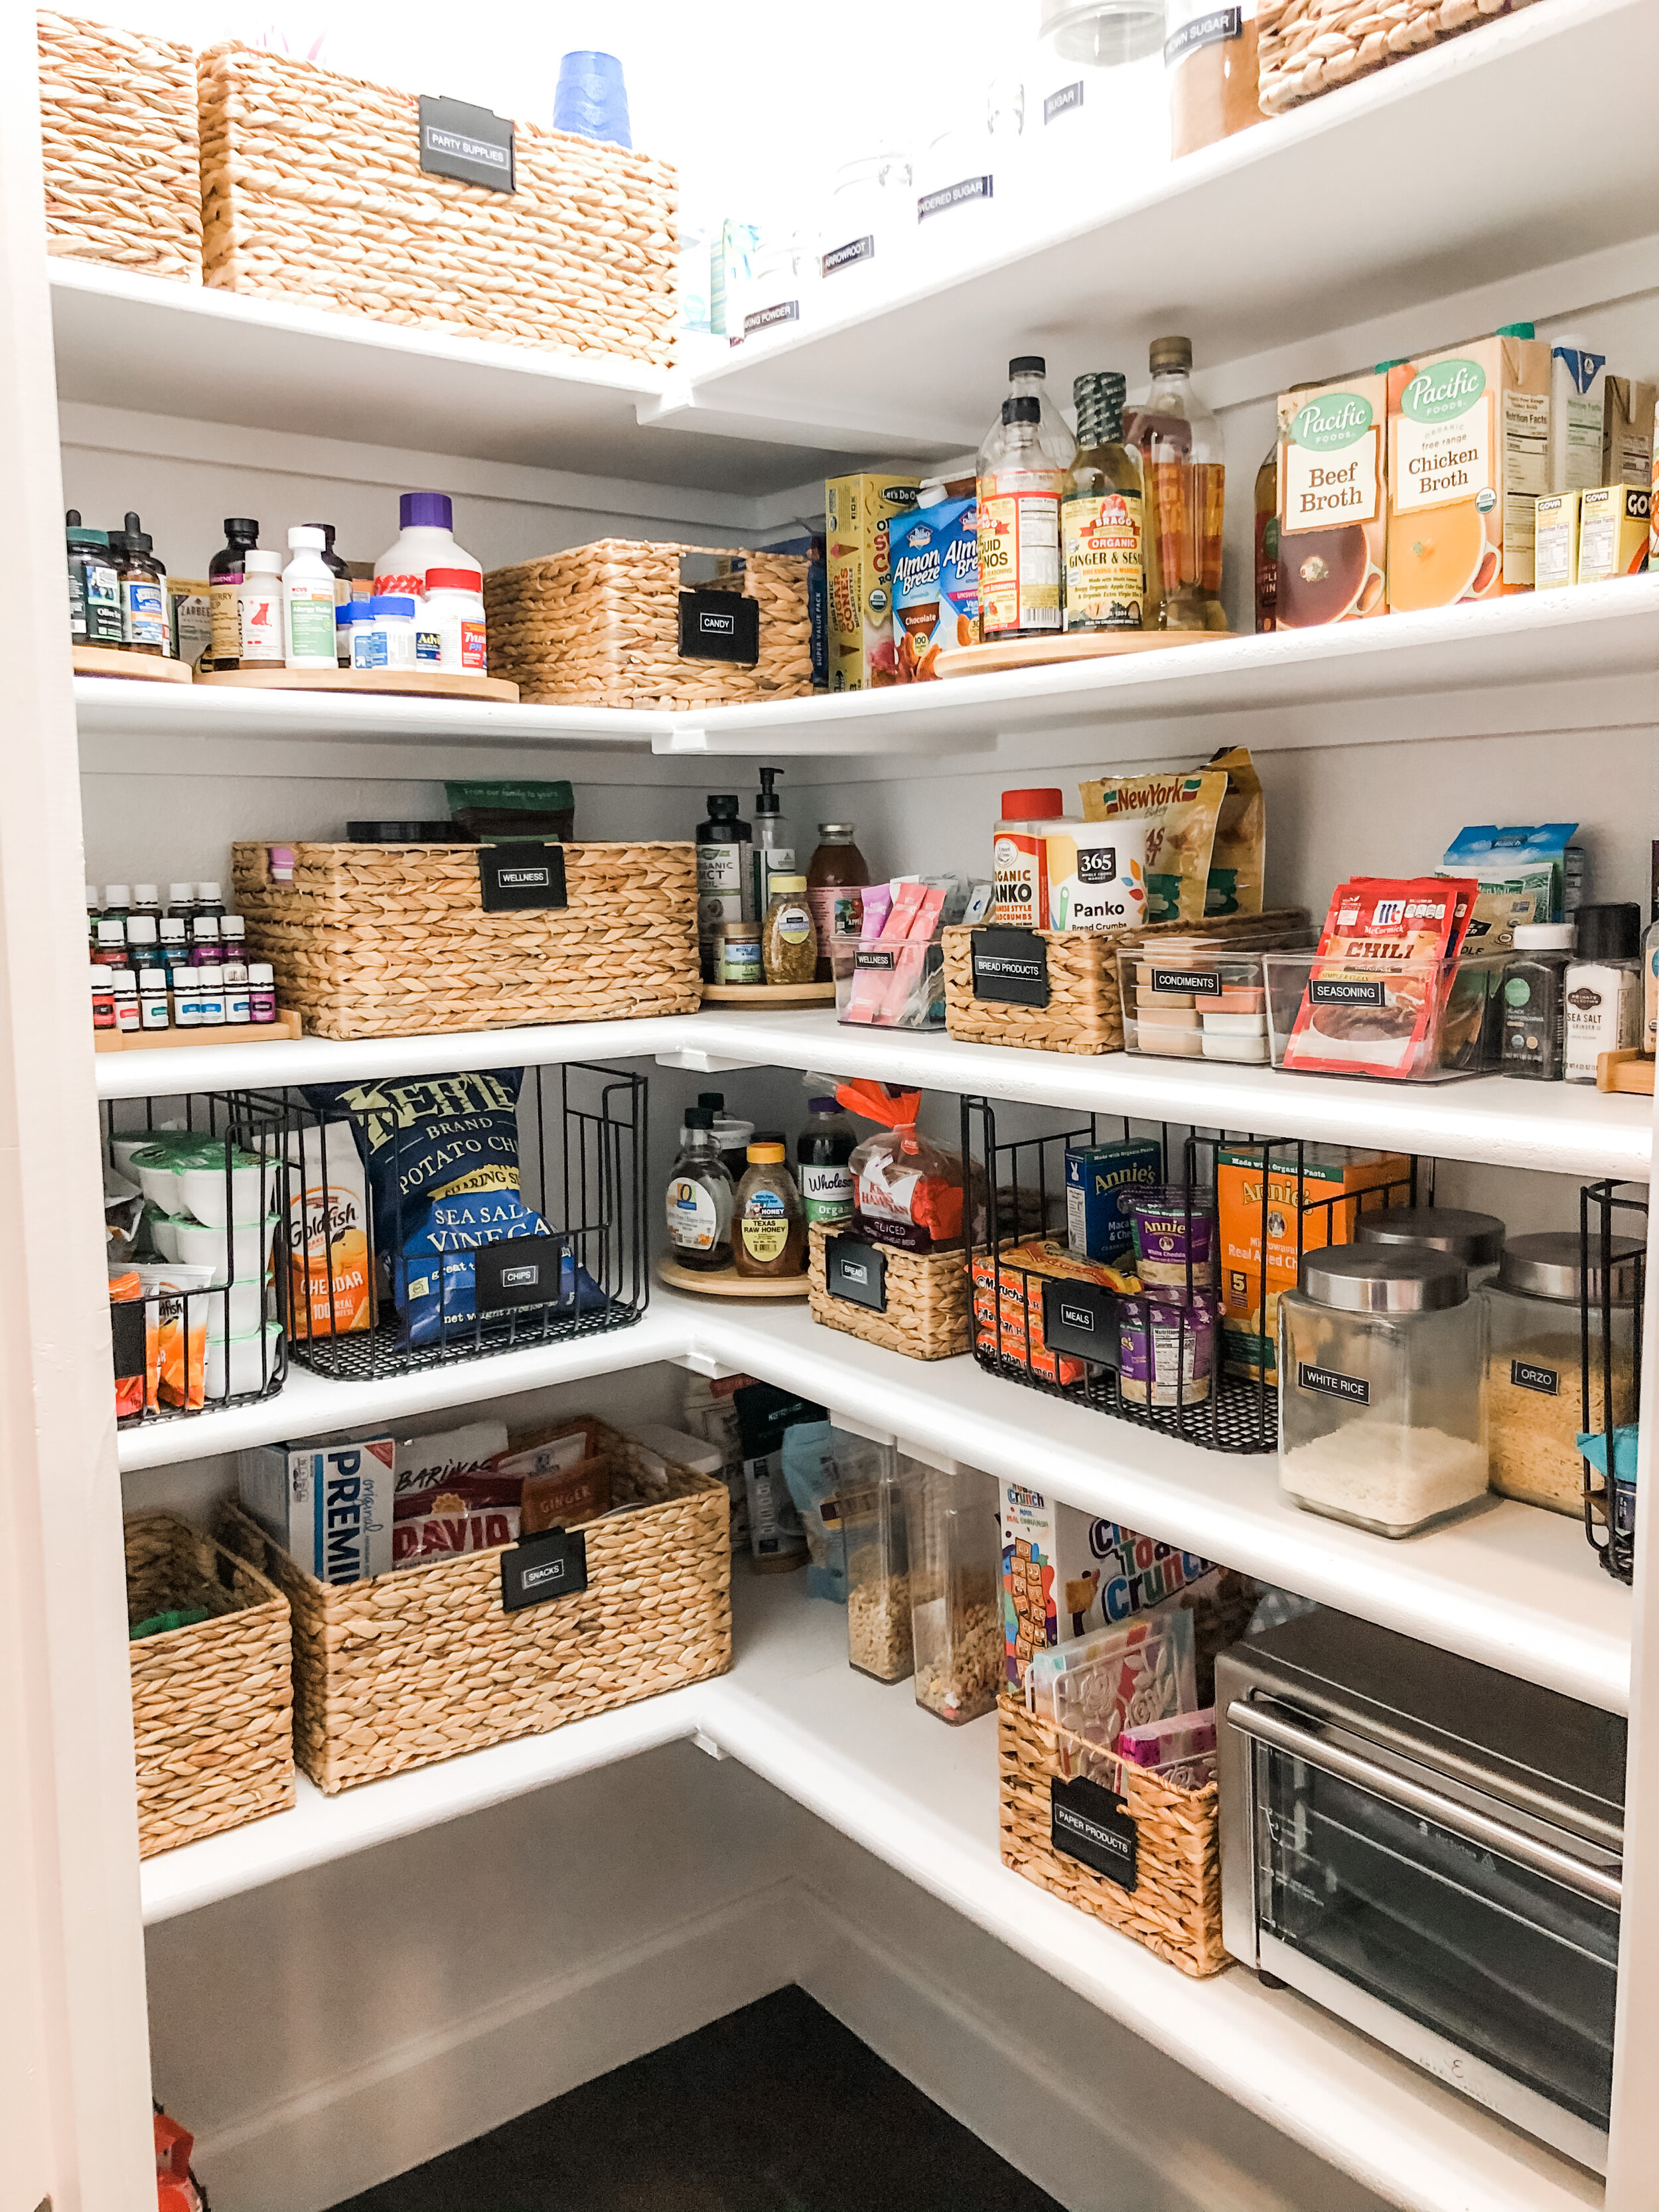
707 1743
691 1061
704 1364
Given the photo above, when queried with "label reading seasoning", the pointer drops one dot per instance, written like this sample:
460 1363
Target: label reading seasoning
1102 552
1330 1384
1525 1377
1019 552
1323 991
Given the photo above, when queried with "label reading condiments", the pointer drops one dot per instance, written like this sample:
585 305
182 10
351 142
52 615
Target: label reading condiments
693 1217
1019 552
1104 559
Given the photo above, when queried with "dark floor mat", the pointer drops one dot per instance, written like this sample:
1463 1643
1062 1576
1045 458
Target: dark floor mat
777 2108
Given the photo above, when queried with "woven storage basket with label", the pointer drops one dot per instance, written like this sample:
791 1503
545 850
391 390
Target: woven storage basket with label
118 145
392 940
212 1702
1161 1840
424 1663
1308 46
313 189
927 1313
601 625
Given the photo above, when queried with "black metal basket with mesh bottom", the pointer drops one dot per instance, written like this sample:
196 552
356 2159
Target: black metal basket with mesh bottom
1607 1212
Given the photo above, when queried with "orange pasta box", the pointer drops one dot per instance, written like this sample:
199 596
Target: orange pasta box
1268 1212
858 511
1374 990
1468 454
1332 502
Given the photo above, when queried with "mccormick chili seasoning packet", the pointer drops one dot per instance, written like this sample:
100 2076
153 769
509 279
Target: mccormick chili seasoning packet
1375 989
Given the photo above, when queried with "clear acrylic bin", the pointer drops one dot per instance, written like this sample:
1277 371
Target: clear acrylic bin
1418 1021
897 985
1195 1006
955 1603
879 1642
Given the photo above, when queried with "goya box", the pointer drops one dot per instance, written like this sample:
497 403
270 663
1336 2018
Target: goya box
1468 455
1099 1179
858 512
934 560
1256 1192
1332 502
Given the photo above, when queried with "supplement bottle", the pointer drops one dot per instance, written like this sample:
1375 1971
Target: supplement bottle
95 586
823 1151
342 575
307 603
1019 867
109 941
835 879
768 1234
384 637
103 999
722 876
153 998
117 902
773 852
207 901
181 902
739 950
225 572
1020 495
450 634
1183 467
1603 1009
123 983
789 944
1535 998
144 625
146 899
259 610
144 946
261 992
700 1198
1266 542
425 541
1102 514
173 935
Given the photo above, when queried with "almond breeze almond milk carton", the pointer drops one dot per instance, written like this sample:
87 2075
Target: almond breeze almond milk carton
1468 455
1332 502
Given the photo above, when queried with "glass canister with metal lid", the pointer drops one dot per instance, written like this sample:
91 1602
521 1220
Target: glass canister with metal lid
1476 1239
1535 1365
1381 1387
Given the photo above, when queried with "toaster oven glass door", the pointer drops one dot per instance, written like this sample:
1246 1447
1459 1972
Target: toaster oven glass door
1498 1959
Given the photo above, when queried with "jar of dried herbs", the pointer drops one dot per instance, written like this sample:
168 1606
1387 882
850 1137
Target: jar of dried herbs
789 940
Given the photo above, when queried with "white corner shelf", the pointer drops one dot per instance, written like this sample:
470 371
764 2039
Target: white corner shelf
922 1797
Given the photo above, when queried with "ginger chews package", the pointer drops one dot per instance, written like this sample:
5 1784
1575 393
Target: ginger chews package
441 1154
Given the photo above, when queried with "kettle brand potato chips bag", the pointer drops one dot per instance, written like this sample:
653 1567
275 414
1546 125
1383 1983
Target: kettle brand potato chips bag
1206 835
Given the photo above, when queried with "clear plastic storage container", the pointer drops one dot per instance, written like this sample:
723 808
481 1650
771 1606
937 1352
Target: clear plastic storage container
879 1643
1535 1363
1193 1006
1382 1388
1420 1021
956 1607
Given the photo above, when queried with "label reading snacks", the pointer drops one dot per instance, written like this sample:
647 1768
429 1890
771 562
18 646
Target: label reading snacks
539 1568
458 140
517 878
1010 968
1330 1384
855 1272
1202 982
1088 1823
1525 1377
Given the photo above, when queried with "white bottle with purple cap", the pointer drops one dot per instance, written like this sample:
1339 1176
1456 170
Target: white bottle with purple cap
426 540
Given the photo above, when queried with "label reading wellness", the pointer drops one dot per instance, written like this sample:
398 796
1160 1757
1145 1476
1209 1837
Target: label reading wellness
518 877
1328 1383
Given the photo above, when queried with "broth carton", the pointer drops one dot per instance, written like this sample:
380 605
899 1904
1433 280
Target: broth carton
1332 502
1468 454
858 511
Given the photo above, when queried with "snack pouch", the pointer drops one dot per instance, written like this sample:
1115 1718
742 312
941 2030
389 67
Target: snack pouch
1238 857
441 1154
1522 861
1363 1012
1184 812
934 578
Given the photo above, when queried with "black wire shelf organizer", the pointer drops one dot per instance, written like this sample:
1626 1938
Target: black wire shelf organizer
207 1180
511 1214
1607 1213
1062 1336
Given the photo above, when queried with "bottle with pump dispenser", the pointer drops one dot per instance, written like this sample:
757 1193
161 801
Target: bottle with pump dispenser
773 850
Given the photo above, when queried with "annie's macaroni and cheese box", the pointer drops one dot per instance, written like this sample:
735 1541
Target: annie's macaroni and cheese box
1332 502
1468 455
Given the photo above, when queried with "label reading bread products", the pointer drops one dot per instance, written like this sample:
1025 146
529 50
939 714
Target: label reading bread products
1328 1383
1202 982
1090 1823
1009 968
1526 1377
1346 991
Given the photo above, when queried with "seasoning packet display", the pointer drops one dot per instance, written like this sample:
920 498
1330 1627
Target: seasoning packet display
1182 811
1379 974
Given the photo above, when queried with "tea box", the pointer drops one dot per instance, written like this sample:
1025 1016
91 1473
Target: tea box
1613 532
1332 502
1468 455
863 653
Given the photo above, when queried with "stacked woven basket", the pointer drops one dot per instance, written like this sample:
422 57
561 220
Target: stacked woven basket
118 127
1306 47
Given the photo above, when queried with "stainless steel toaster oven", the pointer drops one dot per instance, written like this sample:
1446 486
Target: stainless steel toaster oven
1431 1850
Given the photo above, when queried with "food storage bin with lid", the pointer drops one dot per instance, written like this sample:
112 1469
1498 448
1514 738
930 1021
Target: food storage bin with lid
1381 1387
878 1635
954 1537
1476 1239
1536 1369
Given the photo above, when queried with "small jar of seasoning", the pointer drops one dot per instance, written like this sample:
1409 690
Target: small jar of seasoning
1476 1239
738 953
1535 1368
1535 1000
789 939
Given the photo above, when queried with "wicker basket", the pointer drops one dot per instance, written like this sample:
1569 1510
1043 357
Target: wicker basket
1084 1013
1308 46
423 1663
392 941
118 130
1174 1906
929 1312
213 1703
599 624
312 188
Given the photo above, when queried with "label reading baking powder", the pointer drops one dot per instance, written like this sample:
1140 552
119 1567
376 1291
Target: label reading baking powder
1202 982
1330 1384
1526 1377
1345 991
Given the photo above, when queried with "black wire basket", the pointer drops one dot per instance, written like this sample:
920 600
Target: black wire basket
1205 1383
1608 1212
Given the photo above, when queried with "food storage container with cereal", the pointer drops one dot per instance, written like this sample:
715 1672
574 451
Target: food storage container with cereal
1382 1388
878 1638
1535 1370
954 1535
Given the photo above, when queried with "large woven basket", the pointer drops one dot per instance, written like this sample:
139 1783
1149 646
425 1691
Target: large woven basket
1308 46
1174 1906
212 1704
312 187
1084 1013
929 1312
118 131
423 1663
392 941
599 624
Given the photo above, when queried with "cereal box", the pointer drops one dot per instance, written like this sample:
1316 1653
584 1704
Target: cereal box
1051 1574
858 510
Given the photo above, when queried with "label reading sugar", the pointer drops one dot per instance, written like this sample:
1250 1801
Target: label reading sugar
1063 102
1527 1376
1329 1384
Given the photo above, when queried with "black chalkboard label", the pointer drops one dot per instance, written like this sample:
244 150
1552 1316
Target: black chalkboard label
1202 982
1525 1377
720 626
519 1271
1328 1383
517 878
855 1272
1011 967
553 1564
876 959
126 1328
1081 1318
458 139
1089 1823
1063 101
969 188
1345 991
847 256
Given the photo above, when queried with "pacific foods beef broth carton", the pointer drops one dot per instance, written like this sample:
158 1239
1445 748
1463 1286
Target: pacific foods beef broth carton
858 512
1332 502
1468 455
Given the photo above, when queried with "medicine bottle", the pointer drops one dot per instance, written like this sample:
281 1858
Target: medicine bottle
261 992
342 575
95 586
307 603
386 639
225 572
700 1197
768 1232
453 617
144 627
259 610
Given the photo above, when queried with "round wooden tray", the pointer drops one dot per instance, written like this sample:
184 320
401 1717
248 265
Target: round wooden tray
727 1283
407 683
1082 644
769 994
111 660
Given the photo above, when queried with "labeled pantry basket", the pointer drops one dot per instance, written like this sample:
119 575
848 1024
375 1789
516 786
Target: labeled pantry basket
1306 47
312 188
119 146
611 624
212 1698
394 940
915 1303
424 1663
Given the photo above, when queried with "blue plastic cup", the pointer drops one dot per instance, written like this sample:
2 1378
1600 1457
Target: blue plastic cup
591 98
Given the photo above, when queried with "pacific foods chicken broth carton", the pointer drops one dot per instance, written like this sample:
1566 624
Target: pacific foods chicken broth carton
858 512
1468 454
1332 502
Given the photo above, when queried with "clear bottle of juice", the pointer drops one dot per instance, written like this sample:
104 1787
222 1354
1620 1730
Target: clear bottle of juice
1020 486
1182 462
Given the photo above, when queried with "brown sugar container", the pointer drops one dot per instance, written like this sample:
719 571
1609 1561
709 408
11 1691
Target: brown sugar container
769 1226
1209 71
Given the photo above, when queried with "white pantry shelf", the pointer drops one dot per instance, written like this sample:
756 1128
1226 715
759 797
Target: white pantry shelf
922 1797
